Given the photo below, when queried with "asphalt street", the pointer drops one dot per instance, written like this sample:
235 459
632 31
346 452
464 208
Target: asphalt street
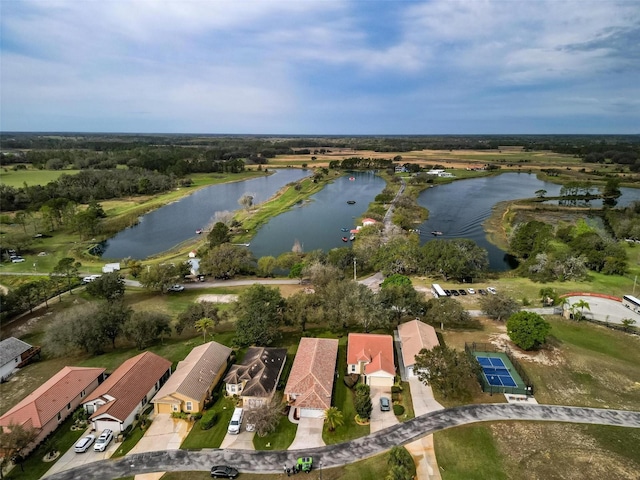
350 452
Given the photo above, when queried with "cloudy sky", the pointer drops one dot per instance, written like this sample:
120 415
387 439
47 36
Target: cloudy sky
320 67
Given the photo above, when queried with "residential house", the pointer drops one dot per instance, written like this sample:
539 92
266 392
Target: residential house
195 377
256 378
117 401
14 354
371 356
414 336
50 404
310 384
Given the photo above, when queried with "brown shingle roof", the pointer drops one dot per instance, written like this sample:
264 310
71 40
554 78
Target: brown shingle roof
260 368
312 373
374 350
128 384
46 401
414 336
195 374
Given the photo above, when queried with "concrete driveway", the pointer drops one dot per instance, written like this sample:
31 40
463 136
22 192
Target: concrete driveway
422 450
165 433
71 459
380 420
241 441
309 434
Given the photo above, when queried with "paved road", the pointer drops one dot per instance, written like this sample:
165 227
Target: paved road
346 453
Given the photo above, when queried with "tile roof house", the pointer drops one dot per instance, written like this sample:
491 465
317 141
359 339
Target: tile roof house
11 352
414 336
371 356
50 404
195 377
310 384
256 378
116 402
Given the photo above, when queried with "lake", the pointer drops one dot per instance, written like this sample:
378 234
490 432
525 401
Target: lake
458 209
176 222
316 224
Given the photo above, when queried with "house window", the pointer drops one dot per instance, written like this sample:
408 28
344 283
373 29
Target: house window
232 388
17 359
68 406
174 408
59 416
189 406
83 393
353 369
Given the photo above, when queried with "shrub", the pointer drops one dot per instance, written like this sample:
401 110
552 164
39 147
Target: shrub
208 420
396 389
398 410
181 415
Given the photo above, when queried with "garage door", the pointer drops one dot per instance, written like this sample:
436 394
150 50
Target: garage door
380 381
100 425
311 413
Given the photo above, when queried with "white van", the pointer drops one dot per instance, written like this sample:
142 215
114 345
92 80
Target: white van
236 421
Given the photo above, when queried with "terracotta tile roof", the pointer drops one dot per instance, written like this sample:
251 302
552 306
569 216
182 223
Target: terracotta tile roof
260 369
46 401
128 384
312 373
195 374
376 351
414 336
11 348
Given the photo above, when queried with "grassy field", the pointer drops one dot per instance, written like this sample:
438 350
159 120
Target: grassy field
17 178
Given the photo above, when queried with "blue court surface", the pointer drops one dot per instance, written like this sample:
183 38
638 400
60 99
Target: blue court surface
496 372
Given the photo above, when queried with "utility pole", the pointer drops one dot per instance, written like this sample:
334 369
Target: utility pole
354 270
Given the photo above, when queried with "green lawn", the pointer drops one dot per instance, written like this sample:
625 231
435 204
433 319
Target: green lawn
343 399
63 438
212 438
468 453
131 441
17 178
278 440
406 402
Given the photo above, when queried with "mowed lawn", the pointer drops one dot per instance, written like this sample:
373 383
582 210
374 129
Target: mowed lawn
585 365
17 178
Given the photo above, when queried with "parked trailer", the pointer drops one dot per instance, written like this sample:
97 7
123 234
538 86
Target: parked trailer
437 290
631 303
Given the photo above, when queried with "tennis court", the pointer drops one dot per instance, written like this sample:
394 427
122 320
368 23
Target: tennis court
496 372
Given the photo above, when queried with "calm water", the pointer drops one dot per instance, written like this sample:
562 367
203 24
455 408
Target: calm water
317 222
458 209
166 227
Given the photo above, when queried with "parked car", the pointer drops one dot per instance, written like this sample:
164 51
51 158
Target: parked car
491 290
447 293
455 293
471 291
103 440
90 278
84 443
175 288
223 471
385 404
482 292
462 291
17 260
236 421
304 464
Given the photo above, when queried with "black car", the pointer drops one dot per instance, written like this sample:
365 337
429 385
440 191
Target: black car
462 291
447 293
223 471
482 292
455 293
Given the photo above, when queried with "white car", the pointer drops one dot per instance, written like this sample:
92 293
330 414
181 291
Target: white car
84 443
491 290
90 278
471 291
103 441
17 260
175 288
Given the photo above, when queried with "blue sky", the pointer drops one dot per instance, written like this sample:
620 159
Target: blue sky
320 67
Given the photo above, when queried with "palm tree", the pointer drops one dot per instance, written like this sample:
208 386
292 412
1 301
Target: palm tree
203 325
333 418
581 304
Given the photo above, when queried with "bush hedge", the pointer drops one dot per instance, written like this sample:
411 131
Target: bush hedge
398 409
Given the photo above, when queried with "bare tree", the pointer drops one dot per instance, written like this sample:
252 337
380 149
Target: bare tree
267 416
13 438
246 201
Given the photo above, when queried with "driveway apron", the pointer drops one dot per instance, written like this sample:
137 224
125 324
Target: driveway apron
165 433
380 420
309 434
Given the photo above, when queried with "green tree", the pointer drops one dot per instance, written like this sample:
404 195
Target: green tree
396 280
450 372
204 325
580 304
266 266
401 466
362 401
218 235
146 327
226 261
627 323
499 306
109 286
259 312
459 258
67 268
448 313
195 312
301 307
530 238
76 327
159 277
549 296
527 330
333 418
112 316
401 299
